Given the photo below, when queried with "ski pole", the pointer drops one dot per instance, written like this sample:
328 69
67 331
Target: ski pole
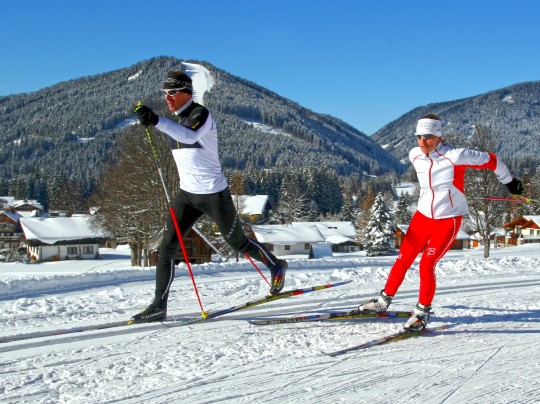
257 268
515 199
173 216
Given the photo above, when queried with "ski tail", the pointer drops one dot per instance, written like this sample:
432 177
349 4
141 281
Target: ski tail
397 336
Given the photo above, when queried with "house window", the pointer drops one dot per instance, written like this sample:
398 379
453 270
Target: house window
287 248
72 250
88 249
306 246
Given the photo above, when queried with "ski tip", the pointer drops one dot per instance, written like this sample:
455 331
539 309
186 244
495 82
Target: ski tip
331 354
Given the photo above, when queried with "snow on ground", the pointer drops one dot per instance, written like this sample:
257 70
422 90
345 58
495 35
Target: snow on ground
493 356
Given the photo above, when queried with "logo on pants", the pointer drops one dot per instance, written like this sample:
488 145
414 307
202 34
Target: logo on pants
431 251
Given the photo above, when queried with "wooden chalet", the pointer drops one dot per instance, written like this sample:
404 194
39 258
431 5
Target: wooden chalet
461 241
10 230
198 250
523 230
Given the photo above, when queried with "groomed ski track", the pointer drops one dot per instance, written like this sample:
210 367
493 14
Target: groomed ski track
492 357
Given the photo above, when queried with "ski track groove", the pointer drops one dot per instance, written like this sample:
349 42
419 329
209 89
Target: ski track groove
162 394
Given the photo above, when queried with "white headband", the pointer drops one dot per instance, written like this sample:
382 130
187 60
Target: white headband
427 126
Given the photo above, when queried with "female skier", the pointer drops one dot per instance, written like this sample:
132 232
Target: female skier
434 226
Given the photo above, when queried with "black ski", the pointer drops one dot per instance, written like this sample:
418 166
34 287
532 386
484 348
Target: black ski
339 315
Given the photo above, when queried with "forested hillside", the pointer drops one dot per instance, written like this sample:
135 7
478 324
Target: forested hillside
61 135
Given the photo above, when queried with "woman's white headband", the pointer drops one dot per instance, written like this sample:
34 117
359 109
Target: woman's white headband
427 126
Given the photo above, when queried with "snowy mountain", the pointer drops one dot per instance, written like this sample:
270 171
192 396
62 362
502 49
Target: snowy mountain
513 114
69 129
492 356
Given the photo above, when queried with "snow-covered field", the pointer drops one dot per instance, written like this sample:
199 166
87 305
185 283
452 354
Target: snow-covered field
492 357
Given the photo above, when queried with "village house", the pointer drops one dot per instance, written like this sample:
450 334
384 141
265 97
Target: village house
286 239
10 230
523 230
61 238
25 207
253 208
310 238
497 236
340 235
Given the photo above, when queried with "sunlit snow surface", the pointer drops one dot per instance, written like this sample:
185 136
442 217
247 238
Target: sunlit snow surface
492 357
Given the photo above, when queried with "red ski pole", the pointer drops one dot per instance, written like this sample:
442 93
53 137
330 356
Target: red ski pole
515 199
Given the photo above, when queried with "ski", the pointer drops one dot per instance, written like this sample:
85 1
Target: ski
171 321
253 303
397 336
338 315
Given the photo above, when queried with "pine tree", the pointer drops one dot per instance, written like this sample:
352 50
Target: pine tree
347 210
378 236
293 204
403 214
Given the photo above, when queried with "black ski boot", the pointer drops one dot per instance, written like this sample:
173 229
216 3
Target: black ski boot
278 276
150 314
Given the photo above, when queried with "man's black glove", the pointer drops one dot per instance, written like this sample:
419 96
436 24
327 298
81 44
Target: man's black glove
146 115
515 187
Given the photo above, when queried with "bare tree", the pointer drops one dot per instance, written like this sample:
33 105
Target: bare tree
131 200
485 215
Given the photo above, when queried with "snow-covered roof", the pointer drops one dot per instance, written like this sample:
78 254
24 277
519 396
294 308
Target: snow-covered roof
306 232
15 203
251 204
14 216
338 239
51 230
329 229
287 234
535 219
530 221
496 232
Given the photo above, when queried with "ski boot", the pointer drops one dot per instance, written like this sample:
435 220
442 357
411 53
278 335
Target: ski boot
377 305
278 276
150 314
419 319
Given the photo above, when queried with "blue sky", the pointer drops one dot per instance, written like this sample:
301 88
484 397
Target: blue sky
366 62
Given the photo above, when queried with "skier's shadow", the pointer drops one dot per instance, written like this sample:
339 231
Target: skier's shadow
503 315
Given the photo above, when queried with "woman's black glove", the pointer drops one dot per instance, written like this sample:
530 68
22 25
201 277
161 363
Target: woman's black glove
146 115
515 187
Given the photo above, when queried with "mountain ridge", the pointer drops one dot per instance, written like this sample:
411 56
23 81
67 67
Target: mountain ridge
512 113
69 129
